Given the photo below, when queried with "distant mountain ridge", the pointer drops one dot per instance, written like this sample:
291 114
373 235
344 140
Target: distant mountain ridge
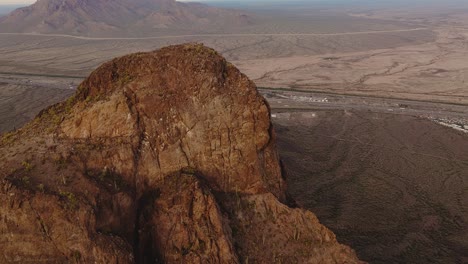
120 17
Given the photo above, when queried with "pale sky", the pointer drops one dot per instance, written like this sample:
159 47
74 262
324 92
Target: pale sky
19 2
24 2
16 2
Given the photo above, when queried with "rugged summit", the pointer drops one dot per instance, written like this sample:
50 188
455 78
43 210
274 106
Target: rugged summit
160 157
120 18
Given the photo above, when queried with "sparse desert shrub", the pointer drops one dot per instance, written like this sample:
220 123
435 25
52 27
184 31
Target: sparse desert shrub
69 104
61 162
189 170
108 178
25 180
124 79
27 166
7 138
71 202
76 256
41 188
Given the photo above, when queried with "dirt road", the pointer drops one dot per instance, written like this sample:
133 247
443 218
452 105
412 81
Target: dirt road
443 113
219 35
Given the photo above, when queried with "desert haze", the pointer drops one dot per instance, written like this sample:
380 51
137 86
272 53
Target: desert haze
368 104
119 18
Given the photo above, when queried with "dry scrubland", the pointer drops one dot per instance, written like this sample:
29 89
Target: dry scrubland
392 186
20 103
284 47
410 58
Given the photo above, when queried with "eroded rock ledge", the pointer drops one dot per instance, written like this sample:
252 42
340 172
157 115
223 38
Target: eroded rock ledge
160 157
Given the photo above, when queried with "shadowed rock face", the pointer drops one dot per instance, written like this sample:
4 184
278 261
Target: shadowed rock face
167 156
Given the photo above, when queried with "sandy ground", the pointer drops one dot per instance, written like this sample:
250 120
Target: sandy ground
61 61
416 59
432 71
394 187
71 56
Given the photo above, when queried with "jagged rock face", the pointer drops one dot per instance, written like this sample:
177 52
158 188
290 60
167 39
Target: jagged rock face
197 233
187 108
167 156
43 228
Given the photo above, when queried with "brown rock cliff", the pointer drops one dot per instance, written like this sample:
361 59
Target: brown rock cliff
160 157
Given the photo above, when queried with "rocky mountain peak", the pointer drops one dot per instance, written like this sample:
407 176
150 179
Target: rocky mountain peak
166 156
189 108
120 18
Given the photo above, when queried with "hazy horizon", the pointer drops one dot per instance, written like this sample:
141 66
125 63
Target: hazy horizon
9 5
250 2
287 6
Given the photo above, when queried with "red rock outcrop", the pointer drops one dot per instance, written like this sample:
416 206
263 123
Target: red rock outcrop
167 156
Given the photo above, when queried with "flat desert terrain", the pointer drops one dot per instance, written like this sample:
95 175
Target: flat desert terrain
281 51
277 52
371 53
394 187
